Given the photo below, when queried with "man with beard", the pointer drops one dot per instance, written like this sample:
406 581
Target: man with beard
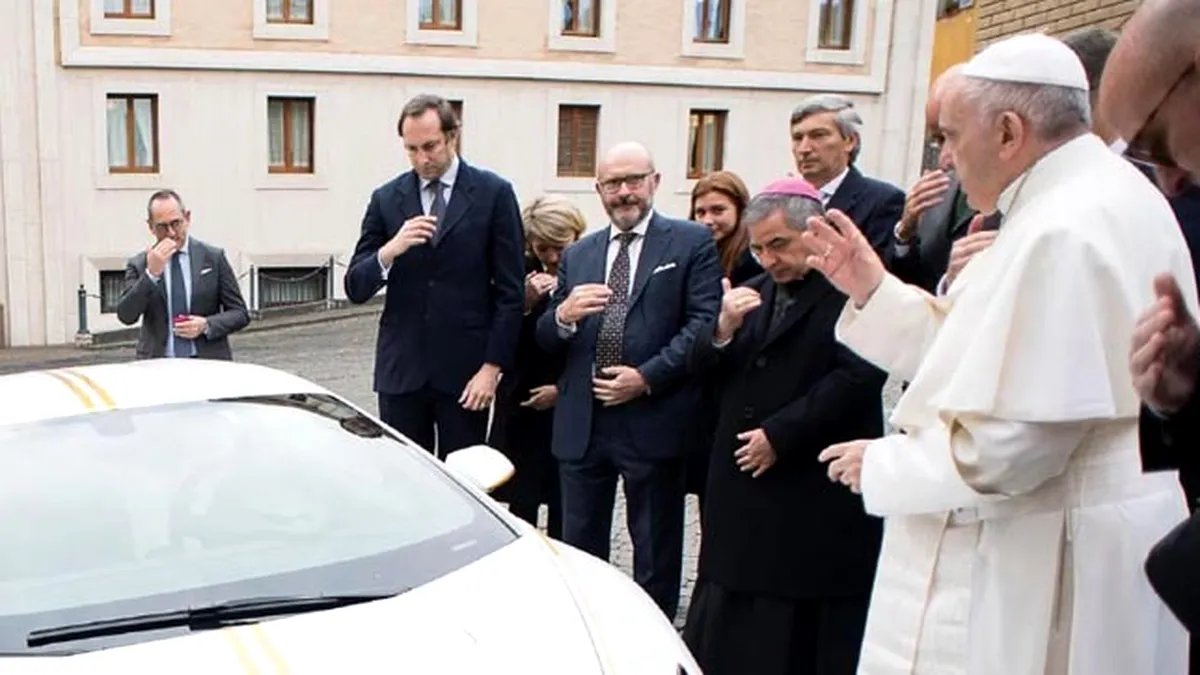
1151 94
786 557
1014 495
629 301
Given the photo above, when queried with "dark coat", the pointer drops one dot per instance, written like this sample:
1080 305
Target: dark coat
874 205
215 295
452 305
790 532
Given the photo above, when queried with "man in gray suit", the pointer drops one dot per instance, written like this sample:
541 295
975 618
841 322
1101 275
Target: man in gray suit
183 290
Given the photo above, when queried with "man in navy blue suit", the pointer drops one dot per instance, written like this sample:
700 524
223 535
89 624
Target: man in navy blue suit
445 239
629 301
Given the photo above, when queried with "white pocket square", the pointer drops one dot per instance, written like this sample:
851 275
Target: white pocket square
204 271
663 268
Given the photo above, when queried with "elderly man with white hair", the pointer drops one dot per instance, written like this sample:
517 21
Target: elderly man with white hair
1016 513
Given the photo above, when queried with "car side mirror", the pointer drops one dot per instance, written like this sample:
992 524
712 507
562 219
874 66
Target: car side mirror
486 467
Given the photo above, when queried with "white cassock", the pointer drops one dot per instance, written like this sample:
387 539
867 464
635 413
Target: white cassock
1017 514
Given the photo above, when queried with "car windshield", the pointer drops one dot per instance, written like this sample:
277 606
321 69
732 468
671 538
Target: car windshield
127 512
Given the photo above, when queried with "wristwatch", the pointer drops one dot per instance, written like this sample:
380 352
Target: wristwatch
902 240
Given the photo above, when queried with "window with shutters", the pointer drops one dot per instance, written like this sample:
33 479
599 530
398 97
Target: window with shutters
706 142
578 127
290 11
836 24
129 9
290 132
131 126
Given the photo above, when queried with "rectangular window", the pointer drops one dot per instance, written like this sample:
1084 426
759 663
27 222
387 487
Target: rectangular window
132 130
290 126
289 11
441 15
286 286
706 142
581 18
712 20
578 126
129 9
836 21
112 282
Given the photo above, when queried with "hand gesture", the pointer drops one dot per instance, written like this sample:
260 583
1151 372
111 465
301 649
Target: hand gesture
756 455
1164 358
537 285
846 467
158 255
926 193
584 300
480 389
541 398
621 384
415 231
968 247
192 328
844 256
736 303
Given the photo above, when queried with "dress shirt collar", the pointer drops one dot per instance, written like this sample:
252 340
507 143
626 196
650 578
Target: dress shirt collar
187 245
830 188
448 178
639 229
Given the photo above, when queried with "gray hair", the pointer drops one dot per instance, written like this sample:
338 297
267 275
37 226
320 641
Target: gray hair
796 210
1092 46
849 122
1054 113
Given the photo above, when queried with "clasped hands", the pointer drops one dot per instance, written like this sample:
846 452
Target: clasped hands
614 385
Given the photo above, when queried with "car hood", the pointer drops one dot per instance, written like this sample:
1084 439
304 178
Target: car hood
518 609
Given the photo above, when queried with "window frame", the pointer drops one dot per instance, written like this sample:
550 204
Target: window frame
575 171
130 135
826 27
288 168
726 12
436 6
287 19
129 14
695 171
466 35
861 16
158 24
734 45
597 15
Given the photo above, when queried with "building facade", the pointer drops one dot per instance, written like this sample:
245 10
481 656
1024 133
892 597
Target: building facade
999 19
276 118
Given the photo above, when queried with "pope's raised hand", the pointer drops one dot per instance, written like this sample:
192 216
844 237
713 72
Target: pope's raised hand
839 251
736 303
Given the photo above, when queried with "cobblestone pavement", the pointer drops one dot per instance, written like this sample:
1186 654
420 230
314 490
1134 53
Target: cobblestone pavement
339 355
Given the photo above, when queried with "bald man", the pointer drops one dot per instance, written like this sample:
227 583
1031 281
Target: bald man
629 302
936 214
1151 94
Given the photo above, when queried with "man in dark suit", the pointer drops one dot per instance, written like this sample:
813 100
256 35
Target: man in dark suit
787 558
445 239
826 141
628 303
183 290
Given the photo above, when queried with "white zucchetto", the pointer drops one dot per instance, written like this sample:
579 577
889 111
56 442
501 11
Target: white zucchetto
1033 58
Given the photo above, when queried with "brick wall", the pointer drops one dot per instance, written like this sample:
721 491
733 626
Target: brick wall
999 19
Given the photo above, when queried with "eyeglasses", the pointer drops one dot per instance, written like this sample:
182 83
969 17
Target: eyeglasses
1149 144
172 225
632 181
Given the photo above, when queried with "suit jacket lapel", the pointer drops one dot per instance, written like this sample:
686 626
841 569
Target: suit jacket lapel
197 256
813 290
593 260
459 204
848 192
658 240
408 199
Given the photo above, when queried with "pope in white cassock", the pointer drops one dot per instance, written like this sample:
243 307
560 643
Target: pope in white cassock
1017 514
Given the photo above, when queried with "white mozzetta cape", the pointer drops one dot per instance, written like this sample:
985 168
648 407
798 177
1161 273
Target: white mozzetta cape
1017 515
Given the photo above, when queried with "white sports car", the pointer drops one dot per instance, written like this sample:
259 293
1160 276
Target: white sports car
185 516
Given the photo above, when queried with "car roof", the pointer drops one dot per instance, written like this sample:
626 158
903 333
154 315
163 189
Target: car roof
66 392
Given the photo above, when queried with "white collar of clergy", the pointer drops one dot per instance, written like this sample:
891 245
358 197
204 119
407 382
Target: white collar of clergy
1058 161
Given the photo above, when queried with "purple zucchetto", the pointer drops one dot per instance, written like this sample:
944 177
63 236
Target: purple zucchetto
792 186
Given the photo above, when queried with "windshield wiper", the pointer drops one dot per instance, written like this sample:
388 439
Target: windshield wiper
199 618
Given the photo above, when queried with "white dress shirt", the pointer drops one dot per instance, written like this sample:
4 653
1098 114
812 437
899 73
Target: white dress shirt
447 179
829 189
185 263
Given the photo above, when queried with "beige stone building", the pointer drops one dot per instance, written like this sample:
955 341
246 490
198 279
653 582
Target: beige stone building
276 118
998 19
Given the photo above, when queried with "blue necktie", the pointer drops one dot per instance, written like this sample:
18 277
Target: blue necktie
179 305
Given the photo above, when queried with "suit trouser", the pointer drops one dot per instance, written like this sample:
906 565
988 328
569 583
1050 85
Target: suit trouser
434 420
654 506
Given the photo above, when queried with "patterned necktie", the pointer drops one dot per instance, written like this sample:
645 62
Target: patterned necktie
179 305
437 208
612 328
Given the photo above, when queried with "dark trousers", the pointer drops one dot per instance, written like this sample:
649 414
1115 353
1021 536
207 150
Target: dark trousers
434 420
654 498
